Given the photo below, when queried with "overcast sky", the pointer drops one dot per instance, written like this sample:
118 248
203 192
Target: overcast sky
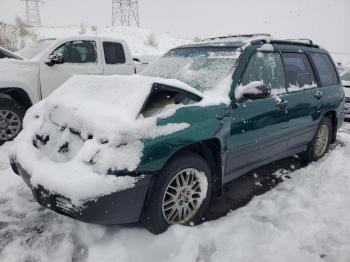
325 21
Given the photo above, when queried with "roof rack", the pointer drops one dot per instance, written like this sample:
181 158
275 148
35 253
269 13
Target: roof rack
238 36
302 40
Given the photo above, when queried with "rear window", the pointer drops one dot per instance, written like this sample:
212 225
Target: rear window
114 53
325 69
298 70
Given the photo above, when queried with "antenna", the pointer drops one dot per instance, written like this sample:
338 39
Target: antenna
32 12
125 12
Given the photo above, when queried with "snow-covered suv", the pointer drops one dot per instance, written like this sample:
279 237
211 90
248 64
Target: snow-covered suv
49 63
158 149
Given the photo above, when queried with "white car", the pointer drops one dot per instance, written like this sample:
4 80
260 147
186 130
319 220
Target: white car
47 64
345 77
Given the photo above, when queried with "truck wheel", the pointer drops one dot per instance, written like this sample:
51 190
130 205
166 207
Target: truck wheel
11 119
320 143
180 194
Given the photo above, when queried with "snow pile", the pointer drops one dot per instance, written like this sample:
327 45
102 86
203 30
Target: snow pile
137 38
306 218
87 128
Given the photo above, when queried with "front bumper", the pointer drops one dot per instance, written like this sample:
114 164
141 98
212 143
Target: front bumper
117 208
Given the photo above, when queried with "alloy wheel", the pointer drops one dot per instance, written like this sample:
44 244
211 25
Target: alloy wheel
184 195
10 124
322 139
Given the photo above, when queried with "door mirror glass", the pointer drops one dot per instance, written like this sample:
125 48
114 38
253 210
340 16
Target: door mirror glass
55 58
253 90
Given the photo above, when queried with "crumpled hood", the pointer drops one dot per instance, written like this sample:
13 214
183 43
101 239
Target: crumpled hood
86 128
92 100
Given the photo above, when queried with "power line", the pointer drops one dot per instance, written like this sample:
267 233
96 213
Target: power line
125 12
32 13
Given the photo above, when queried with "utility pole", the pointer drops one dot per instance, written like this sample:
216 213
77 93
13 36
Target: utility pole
32 12
125 12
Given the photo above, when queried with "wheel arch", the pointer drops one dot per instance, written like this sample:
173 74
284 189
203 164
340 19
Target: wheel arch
17 94
210 150
332 115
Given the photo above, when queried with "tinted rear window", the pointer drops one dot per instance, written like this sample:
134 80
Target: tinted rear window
114 53
325 69
298 70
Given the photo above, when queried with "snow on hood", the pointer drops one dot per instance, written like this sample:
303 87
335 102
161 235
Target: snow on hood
86 128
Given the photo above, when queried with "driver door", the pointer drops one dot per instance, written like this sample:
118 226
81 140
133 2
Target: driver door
259 126
80 58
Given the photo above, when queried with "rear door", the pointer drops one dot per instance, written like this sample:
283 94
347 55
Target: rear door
80 58
258 130
117 59
332 91
304 99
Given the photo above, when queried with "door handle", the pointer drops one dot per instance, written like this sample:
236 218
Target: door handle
282 104
318 95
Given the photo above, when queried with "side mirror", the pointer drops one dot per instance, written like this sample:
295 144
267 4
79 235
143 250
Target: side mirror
253 90
55 58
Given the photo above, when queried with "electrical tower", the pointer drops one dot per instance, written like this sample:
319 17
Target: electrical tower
125 12
32 12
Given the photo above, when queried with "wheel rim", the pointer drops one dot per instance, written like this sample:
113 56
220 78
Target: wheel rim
184 195
10 124
321 142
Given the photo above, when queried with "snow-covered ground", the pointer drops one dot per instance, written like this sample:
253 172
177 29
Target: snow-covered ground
305 218
137 38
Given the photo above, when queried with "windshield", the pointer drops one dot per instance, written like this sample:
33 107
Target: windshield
345 76
36 48
203 68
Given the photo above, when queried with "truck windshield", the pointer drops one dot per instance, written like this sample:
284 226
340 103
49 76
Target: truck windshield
345 76
36 48
200 67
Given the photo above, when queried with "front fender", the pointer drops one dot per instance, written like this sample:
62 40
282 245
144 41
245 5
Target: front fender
21 74
204 123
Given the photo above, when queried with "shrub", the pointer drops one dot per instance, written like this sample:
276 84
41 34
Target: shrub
151 40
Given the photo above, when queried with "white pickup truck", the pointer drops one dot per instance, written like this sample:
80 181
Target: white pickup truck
46 65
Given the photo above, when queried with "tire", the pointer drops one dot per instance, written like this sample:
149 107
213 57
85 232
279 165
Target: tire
157 214
320 143
11 119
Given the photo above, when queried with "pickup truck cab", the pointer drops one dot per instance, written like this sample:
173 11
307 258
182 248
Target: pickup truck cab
49 63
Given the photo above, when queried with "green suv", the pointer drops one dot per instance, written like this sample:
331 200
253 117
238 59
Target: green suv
283 97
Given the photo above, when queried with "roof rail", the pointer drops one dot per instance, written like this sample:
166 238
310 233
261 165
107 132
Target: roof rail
238 36
303 40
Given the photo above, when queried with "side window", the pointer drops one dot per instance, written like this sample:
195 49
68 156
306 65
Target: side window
114 53
267 68
78 52
1 54
325 69
299 73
